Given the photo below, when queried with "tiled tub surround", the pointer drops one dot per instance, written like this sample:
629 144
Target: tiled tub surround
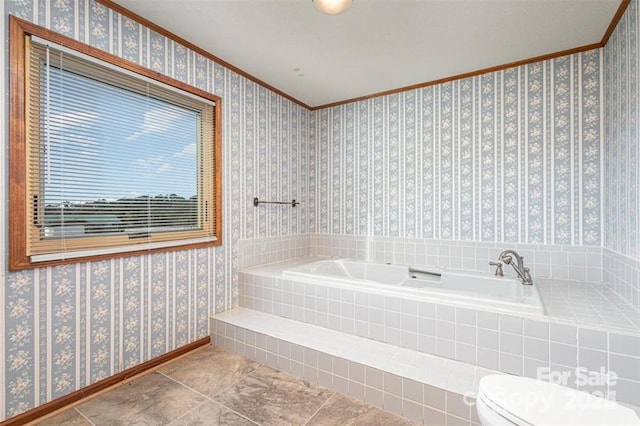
511 344
259 251
622 275
579 263
418 386
588 304
570 278
578 272
566 301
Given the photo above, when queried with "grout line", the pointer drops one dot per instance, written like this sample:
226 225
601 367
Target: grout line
185 386
210 399
320 408
200 393
189 411
83 415
207 402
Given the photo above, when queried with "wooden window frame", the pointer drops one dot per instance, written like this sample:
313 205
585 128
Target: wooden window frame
19 207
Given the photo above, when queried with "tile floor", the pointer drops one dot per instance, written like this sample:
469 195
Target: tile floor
214 387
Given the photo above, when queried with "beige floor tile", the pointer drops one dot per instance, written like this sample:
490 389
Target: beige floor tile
269 397
343 411
209 370
150 400
68 418
244 393
212 414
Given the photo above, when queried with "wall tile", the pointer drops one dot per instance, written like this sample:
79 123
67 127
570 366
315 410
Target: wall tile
374 396
537 329
625 367
466 334
563 333
412 390
533 367
392 384
511 343
373 377
624 344
510 324
627 391
412 411
487 320
536 348
563 354
593 339
356 372
510 363
466 316
488 339
594 360
434 417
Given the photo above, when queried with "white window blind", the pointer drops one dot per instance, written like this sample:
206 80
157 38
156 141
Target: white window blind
114 160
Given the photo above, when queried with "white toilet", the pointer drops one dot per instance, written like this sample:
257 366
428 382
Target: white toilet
513 400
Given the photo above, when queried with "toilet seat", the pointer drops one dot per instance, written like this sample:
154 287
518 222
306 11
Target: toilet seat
524 401
495 414
492 415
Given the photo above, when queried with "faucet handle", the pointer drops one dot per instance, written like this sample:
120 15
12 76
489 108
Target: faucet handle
498 266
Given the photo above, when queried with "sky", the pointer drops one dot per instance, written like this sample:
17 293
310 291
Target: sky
92 126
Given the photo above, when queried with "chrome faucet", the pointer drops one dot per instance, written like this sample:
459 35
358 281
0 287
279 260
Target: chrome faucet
507 257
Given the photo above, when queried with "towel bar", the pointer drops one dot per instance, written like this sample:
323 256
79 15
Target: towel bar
292 203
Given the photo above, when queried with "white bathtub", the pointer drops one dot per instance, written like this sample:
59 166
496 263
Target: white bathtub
504 294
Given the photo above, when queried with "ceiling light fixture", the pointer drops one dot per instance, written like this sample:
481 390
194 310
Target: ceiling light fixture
332 7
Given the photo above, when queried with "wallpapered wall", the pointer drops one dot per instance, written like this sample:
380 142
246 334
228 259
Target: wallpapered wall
510 156
66 327
622 152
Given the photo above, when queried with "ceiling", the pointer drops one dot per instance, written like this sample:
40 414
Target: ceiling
376 45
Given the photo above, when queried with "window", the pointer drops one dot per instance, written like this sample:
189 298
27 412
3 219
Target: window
113 161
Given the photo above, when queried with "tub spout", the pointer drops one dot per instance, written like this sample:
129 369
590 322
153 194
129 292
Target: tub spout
414 271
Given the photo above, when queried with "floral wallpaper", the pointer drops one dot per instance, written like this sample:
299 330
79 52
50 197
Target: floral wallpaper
70 326
510 156
622 153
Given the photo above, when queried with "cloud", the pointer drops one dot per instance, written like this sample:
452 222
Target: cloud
188 151
77 130
154 163
156 120
72 119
